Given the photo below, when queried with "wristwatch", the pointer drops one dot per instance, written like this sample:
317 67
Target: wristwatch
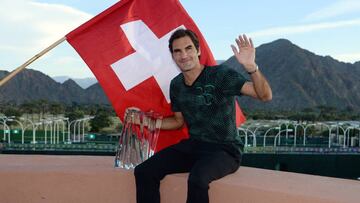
254 71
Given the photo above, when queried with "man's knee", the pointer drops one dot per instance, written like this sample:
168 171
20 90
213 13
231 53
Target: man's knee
147 170
140 171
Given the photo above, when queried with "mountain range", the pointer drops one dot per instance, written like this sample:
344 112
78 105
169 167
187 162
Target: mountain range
33 85
299 79
82 82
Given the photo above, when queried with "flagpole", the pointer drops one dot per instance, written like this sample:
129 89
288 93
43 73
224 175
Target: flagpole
27 63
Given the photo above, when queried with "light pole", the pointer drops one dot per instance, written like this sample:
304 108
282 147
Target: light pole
273 128
54 130
354 128
3 118
248 130
74 131
77 137
358 128
337 132
252 125
83 130
295 131
259 127
329 134
337 126
4 128
63 120
246 139
286 123
57 130
347 131
34 128
279 135
83 126
306 127
80 128
47 123
69 128
315 124
22 129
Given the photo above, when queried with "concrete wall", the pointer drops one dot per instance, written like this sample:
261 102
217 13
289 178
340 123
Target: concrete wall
77 179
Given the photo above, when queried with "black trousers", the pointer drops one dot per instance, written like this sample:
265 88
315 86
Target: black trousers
204 161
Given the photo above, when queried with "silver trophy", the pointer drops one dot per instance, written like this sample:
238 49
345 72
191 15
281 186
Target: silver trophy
138 138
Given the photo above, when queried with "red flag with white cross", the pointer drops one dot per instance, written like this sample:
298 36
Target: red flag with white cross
126 47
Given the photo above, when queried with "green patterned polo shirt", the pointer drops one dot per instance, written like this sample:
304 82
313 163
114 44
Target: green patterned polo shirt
208 105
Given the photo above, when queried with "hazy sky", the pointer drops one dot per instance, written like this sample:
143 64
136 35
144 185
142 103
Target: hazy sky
325 27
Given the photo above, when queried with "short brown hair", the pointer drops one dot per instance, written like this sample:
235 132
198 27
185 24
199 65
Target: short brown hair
179 33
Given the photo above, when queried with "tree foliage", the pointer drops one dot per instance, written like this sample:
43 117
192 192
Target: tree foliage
100 121
74 114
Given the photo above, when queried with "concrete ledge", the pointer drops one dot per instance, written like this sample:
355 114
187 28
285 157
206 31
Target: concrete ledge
77 179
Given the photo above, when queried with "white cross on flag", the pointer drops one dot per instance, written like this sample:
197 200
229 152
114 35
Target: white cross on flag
126 47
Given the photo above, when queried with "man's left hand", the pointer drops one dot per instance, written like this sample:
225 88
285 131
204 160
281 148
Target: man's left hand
245 53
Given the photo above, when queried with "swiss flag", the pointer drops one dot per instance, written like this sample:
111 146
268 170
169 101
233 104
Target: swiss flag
126 47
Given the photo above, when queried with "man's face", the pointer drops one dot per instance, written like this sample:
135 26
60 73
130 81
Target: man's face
185 54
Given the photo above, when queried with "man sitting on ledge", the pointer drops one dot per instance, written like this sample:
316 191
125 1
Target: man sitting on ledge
203 98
